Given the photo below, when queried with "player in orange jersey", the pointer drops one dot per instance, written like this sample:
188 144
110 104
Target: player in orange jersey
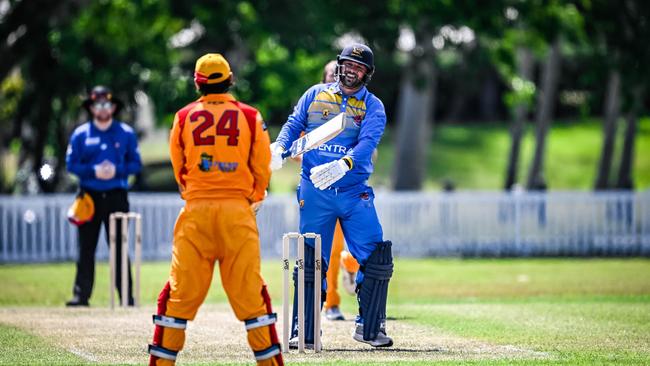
220 153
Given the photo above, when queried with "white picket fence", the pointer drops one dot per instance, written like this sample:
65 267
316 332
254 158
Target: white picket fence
35 229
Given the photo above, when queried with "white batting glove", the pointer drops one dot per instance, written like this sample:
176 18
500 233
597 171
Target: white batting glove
276 156
324 175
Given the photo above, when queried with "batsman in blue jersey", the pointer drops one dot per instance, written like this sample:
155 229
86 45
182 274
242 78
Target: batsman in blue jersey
334 185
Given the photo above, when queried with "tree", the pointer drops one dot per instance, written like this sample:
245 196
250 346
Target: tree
612 111
622 25
414 117
61 49
520 100
417 91
545 107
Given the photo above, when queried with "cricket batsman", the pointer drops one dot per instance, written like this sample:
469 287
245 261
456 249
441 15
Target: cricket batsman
339 257
220 152
334 186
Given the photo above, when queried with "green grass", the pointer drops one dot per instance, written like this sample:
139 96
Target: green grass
20 348
578 311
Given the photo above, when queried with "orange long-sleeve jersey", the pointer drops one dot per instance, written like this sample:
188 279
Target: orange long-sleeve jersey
219 148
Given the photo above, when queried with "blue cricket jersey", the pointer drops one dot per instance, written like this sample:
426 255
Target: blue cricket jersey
90 146
364 126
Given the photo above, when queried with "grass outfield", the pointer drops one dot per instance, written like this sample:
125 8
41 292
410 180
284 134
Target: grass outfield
572 311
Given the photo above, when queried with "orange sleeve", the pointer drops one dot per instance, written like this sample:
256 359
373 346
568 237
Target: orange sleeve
176 151
177 146
259 160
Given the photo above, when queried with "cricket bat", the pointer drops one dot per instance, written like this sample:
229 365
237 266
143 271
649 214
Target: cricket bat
317 137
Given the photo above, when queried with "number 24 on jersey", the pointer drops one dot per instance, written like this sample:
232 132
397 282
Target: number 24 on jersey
226 126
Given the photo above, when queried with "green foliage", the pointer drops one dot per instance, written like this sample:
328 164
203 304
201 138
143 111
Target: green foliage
277 52
522 93
11 90
125 45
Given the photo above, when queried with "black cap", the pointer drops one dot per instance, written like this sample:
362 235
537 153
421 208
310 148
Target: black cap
101 92
359 53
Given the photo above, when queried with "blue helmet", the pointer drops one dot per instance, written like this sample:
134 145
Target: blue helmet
359 53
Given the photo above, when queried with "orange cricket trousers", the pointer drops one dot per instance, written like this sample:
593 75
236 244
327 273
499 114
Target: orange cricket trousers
333 298
223 231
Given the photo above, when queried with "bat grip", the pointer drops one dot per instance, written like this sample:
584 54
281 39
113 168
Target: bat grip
286 154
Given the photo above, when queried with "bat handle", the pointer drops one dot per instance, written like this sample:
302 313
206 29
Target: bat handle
286 154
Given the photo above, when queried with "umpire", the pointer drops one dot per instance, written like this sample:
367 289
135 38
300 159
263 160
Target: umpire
102 153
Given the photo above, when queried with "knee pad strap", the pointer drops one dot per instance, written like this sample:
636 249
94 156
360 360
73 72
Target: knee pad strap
261 321
169 322
265 354
162 352
380 272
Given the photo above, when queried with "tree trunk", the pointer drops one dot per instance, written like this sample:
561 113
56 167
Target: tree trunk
3 184
414 119
612 111
625 180
525 71
489 98
545 108
43 112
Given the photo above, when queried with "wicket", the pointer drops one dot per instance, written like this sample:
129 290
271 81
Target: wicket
301 290
124 242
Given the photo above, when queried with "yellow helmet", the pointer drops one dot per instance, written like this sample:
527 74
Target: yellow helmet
82 209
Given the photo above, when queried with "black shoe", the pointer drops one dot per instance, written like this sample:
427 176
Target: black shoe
76 301
382 340
131 302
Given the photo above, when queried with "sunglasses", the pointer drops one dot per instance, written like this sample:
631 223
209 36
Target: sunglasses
102 105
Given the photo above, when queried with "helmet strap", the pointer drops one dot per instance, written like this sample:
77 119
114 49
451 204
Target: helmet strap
339 76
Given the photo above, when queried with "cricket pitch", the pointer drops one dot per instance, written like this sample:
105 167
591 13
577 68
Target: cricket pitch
216 336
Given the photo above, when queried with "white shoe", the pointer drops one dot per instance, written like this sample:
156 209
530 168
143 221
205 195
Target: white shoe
382 339
334 313
349 282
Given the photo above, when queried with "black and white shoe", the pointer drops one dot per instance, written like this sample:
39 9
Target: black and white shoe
293 344
382 339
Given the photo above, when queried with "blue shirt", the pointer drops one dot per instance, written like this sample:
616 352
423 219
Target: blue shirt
90 146
364 125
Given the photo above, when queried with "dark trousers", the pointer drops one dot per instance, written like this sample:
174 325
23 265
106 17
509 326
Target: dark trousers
105 203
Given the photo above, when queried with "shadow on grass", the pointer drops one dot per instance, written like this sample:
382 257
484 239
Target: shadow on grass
386 350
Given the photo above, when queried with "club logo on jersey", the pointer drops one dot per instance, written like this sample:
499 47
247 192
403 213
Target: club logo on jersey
326 112
301 203
207 164
357 119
